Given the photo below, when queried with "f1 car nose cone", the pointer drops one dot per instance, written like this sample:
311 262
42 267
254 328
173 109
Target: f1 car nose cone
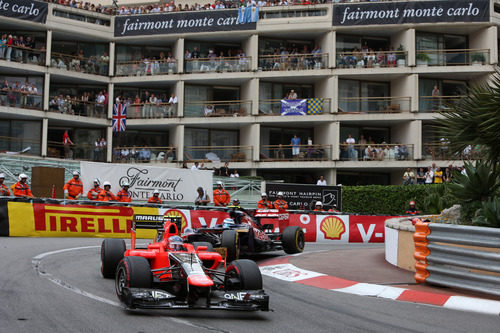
200 281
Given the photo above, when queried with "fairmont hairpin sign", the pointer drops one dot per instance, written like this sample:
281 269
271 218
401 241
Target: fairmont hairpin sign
411 12
203 21
24 9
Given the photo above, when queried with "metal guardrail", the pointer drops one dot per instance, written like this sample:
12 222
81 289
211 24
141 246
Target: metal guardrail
464 257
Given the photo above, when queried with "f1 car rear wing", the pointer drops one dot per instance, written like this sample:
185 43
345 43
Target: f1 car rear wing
155 222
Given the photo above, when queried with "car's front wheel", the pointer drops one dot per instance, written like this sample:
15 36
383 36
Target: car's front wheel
132 272
243 274
293 240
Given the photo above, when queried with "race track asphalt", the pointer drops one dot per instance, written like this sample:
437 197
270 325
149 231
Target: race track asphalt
64 292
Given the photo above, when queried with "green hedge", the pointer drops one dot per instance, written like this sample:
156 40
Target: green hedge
385 200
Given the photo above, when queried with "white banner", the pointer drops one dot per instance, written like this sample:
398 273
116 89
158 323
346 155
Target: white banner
174 184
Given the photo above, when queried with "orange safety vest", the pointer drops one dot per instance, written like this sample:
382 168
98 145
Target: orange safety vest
4 190
21 190
94 193
124 196
106 196
318 210
154 199
280 204
264 204
221 197
74 187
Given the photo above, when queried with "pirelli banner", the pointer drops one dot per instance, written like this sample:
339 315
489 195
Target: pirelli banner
179 23
32 219
174 184
411 12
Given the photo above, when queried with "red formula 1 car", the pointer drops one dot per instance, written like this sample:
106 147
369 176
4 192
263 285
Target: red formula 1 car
249 232
169 274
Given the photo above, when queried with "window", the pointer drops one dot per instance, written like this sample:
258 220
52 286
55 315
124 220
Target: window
17 135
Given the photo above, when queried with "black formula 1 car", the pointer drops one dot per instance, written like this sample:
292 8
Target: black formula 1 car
246 233
170 274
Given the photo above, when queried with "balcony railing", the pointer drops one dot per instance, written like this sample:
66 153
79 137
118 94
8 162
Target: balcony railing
455 57
19 99
218 64
144 154
272 107
376 152
437 104
372 60
315 152
288 11
218 153
10 145
374 104
81 15
75 63
439 151
151 110
218 108
146 67
77 107
286 62
24 55
75 151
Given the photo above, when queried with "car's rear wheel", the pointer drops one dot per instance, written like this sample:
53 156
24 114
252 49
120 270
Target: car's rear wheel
112 251
293 240
230 241
209 246
132 272
243 274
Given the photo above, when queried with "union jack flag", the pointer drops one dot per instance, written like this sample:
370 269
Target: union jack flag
119 117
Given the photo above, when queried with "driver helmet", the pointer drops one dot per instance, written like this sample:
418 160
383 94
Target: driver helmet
175 243
228 223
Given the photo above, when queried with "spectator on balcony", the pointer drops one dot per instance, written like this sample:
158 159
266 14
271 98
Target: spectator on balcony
371 58
153 107
19 44
144 155
403 152
155 66
321 181
391 58
438 176
436 98
209 110
291 95
170 153
429 176
9 44
310 148
362 146
171 62
67 143
381 58
316 54
351 152
124 154
32 92
279 153
91 65
421 176
104 64
4 93
3 46
100 99
408 177
295 143
224 170
234 174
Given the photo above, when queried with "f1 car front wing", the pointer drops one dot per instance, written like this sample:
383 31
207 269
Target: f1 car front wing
237 300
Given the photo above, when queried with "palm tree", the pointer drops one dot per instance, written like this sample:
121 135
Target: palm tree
475 120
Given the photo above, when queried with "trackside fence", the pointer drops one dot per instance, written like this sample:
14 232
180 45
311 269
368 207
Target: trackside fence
464 257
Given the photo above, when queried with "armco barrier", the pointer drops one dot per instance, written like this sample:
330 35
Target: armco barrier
63 218
457 256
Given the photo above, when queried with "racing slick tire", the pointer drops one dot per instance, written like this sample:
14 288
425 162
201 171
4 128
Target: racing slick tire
132 272
210 247
112 251
293 240
230 241
243 274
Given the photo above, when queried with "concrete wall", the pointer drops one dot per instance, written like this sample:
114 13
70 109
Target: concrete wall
485 38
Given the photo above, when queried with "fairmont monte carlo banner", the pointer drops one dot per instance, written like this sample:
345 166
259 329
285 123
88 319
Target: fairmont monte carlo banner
411 12
185 22
25 10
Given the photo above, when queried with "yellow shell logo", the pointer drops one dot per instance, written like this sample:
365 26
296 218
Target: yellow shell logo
177 213
332 227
